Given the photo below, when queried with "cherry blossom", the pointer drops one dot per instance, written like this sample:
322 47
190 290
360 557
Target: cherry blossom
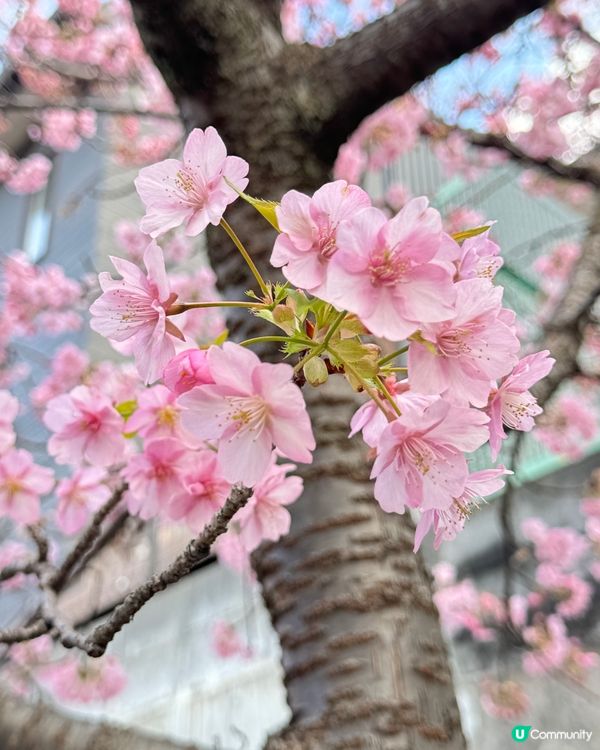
9 408
84 681
30 175
252 407
447 522
135 309
265 515
309 228
420 461
155 476
560 546
22 482
462 355
512 404
194 191
386 271
78 496
159 416
187 370
203 492
504 699
86 426
226 642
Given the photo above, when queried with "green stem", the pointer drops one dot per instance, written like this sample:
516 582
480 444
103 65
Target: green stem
260 339
185 306
369 390
388 396
393 355
323 345
245 255
396 369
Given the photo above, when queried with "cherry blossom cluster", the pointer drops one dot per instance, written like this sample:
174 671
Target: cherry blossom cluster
93 46
357 281
33 665
558 570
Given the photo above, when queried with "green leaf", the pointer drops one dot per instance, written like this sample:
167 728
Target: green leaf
264 207
126 408
460 236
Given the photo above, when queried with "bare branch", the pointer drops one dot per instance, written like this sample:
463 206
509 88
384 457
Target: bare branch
87 539
583 170
31 102
96 642
195 552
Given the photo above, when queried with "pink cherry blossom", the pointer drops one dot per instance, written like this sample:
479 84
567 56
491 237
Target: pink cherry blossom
202 494
447 522
350 163
550 645
386 271
79 496
134 310
503 700
459 608
309 229
371 420
158 416
67 369
573 594
9 408
479 258
226 642
560 546
420 462
30 175
88 681
86 426
155 476
187 370
252 407
265 515
21 484
462 355
568 426
193 191
512 404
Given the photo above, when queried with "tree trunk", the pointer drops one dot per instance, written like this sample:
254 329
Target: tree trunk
36 727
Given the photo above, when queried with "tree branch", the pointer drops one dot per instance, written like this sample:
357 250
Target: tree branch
24 102
96 642
360 73
89 536
583 170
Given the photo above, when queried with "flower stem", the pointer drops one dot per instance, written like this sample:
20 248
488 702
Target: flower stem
388 396
185 306
260 339
323 345
369 390
246 256
393 355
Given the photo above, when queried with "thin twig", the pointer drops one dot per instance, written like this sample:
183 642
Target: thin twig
58 580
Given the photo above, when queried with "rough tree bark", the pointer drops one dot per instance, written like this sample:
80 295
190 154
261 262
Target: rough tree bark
364 658
32 727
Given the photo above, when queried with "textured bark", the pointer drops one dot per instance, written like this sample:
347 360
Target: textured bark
364 658
33 727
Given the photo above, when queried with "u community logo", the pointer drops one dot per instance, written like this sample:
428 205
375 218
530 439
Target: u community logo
520 733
